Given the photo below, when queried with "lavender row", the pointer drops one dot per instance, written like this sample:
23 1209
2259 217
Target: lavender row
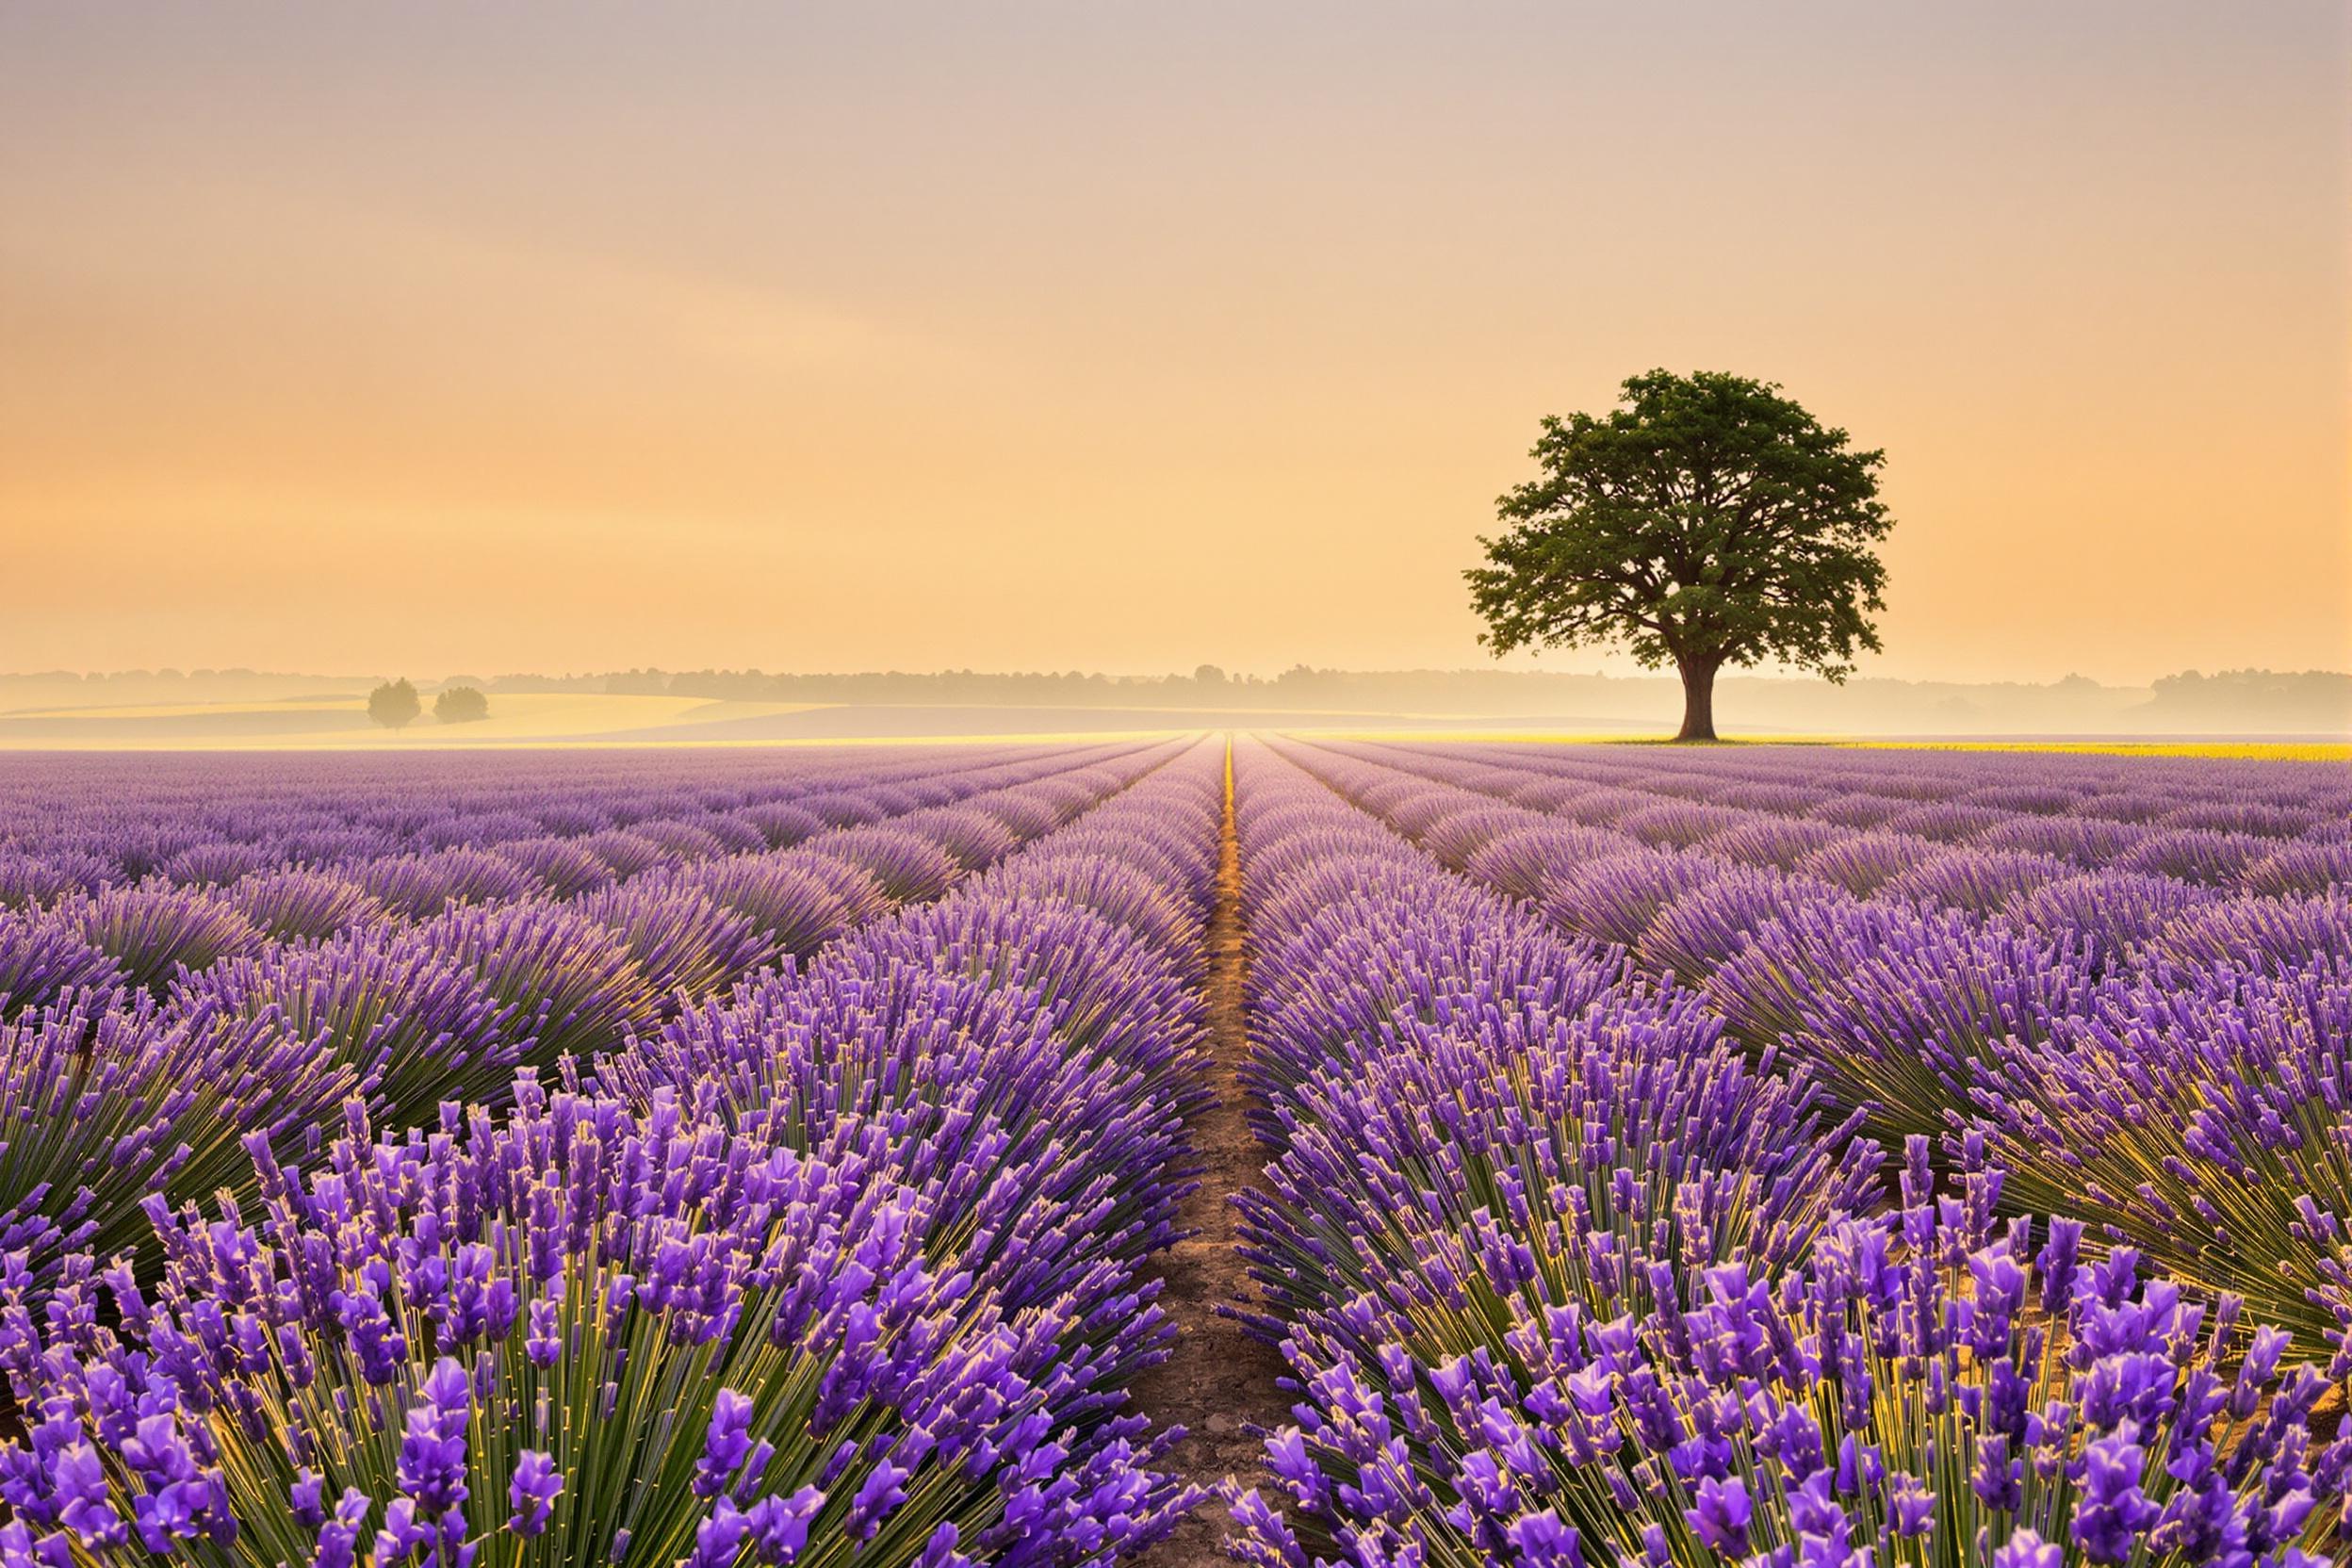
847 1266
1686 909
1980 850
672 908
122 1088
79 823
151 927
2165 1061
1566 1279
1403 1016
1861 785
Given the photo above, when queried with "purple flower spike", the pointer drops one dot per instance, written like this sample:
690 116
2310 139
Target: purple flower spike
533 1492
2027 1550
726 1444
1722 1513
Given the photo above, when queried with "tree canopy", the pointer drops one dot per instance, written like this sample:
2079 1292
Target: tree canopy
1708 520
394 704
460 705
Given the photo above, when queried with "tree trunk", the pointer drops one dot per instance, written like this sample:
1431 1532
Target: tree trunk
1698 700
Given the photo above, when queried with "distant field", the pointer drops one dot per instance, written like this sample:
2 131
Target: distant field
340 722
2268 751
2258 750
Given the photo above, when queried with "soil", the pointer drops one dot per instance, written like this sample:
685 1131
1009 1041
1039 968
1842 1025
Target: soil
1219 1383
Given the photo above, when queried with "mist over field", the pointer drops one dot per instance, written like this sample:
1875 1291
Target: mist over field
249 709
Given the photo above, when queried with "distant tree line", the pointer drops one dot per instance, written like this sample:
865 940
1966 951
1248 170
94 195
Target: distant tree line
2316 698
2233 696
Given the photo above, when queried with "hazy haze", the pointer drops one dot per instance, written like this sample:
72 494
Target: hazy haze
1122 337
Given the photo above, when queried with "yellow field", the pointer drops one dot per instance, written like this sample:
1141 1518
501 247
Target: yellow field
2265 751
132 712
2275 751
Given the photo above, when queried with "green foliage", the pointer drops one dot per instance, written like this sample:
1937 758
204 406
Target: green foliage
1708 520
394 704
460 705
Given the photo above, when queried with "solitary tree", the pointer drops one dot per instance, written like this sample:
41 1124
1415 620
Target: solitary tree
394 704
460 705
1708 520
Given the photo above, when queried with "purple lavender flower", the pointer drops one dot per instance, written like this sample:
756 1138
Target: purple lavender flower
2198 1116
1615 899
1907 1013
796 903
564 869
2311 869
414 1028
45 963
532 1493
1720 1513
687 946
726 1444
2026 1549
2196 855
1866 861
572 983
908 867
154 930
421 886
2277 935
1977 880
432 1469
308 905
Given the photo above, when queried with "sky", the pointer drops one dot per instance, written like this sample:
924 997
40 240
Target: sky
428 337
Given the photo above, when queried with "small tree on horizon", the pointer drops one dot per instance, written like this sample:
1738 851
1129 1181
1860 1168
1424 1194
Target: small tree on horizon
460 705
1708 521
394 704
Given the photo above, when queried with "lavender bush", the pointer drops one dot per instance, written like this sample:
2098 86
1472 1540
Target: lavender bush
573 1334
1934 1388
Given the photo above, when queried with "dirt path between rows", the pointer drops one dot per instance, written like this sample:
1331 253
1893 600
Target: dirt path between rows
1218 1380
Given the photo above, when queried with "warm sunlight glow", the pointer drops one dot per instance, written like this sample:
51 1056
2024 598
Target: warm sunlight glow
1123 337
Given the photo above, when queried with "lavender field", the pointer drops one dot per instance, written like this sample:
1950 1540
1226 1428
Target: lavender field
1760 1155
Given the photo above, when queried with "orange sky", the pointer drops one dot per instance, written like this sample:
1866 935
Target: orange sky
1125 338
